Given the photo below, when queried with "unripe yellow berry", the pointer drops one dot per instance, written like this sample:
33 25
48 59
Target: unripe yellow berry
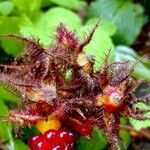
51 123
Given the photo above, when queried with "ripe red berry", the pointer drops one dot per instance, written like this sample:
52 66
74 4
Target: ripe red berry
65 135
50 134
33 140
40 145
53 140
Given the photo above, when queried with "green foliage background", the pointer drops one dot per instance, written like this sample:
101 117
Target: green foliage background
121 22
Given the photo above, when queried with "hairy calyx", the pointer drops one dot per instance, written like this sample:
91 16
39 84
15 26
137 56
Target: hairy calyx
86 100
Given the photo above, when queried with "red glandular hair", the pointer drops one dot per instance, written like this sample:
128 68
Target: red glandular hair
86 100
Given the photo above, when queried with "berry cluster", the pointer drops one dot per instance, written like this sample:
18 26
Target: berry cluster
52 139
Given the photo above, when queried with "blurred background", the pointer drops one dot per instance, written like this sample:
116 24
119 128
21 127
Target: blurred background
124 28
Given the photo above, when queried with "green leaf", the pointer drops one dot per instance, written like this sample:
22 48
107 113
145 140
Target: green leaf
127 16
141 124
108 27
29 132
7 96
143 89
124 135
5 128
46 3
146 62
128 54
12 47
125 139
6 7
141 71
19 145
100 44
27 6
10 25
97 141
71 4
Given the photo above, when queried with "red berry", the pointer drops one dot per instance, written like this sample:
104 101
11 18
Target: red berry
50 134
52 140
71 137
33 140
40 145
37 142
65 136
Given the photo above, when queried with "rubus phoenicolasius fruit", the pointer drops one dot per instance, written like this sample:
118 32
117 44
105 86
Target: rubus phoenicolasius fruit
88 99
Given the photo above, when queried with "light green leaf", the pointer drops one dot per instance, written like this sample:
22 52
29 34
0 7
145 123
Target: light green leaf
100 44
125 139
7 96
108 27
6 7
71 4
19 145
128 54
141 71
97 141
128 18
10 25
141 124
5 128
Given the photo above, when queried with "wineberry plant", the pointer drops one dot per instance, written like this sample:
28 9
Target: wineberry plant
82 101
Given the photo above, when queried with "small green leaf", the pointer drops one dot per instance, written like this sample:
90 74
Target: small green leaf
19 145
128 54
141 124
6 7
29 132
127 16
12 47
125 139
5 128
7 96
108 27
100 44
71 4
10 25
97 141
